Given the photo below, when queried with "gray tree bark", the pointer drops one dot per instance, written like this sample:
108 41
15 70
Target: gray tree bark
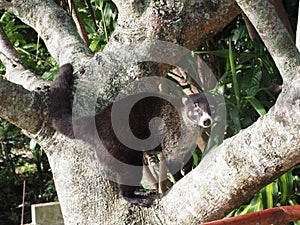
226 177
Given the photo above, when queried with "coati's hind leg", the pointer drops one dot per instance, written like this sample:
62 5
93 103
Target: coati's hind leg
187 168
137 195
129 180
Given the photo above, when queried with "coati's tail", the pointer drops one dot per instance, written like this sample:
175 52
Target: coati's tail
61 101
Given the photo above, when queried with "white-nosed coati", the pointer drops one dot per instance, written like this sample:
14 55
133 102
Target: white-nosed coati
175 141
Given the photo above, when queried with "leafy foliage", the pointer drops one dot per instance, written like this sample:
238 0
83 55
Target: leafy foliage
284 191
100 19
27 43
21 159
106 20
248 74
246 83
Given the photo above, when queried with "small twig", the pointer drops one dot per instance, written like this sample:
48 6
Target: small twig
79 23
250 28
71 8
89 5
37 48
33 55
23 203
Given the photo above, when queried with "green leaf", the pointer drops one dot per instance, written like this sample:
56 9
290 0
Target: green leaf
31 47
49 75
220 53
235 117
255 205
256 105
269 194
250 80
234 77
286 187
195 158
94 45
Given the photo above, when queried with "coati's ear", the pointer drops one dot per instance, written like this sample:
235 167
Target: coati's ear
188 105
186 101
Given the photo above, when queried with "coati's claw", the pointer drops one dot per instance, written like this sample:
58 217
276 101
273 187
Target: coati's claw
145 192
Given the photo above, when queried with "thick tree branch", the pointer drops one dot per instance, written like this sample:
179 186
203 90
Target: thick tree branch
23 108
277 39
55 27
26 78
188 23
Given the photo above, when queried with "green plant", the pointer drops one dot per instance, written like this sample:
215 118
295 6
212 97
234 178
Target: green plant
248 73
27 43
21 159
103 24
283 191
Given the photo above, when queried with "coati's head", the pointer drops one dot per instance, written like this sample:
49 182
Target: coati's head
198 109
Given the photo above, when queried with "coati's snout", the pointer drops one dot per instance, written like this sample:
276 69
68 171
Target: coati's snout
205 120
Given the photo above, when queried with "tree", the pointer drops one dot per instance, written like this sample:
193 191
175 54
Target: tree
228 174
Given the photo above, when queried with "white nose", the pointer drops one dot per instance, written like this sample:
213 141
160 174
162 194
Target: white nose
205 120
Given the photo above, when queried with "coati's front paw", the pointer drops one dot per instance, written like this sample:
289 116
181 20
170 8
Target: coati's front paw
66 73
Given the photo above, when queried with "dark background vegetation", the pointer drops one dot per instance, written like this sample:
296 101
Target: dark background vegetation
247 75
